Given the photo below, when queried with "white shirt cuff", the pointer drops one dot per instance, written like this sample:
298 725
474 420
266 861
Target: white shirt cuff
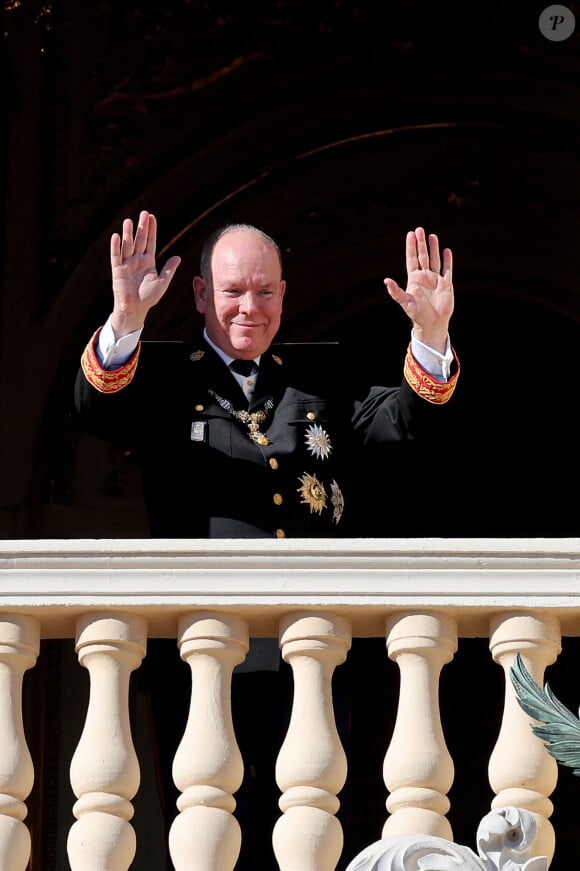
113 353
435 364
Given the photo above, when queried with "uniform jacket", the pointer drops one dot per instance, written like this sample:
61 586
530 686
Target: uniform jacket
179 408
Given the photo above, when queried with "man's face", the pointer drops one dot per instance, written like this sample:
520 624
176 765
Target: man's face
243 309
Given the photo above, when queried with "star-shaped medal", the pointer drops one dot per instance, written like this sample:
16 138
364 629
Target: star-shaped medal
312 492
318 442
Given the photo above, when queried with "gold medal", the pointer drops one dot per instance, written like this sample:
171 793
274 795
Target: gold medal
312 492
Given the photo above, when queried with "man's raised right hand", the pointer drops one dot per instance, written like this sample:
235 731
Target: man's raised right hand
137 286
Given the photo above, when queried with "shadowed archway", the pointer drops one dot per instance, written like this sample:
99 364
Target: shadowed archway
336 126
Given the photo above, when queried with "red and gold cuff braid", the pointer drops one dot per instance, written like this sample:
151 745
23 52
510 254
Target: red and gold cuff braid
104 380
425 385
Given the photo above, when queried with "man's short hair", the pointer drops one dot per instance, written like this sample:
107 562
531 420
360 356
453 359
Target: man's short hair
213 239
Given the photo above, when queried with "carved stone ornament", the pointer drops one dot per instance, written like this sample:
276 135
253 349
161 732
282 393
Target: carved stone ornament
505 839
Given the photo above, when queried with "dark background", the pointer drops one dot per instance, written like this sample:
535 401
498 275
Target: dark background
336 126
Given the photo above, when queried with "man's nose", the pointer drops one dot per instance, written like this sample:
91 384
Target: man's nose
248 302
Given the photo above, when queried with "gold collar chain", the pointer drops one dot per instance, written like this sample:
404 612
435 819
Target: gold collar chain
252 419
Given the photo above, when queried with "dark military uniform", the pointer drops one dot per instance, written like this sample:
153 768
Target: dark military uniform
214 466
212 470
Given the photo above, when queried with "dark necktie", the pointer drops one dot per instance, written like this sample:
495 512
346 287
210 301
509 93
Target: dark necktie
243 367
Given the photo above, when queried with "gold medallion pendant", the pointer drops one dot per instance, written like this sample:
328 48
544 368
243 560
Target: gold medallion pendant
253 423
313 493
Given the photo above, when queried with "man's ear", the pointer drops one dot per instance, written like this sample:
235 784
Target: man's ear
200 293
282 289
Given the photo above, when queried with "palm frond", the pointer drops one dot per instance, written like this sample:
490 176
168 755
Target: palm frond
558 727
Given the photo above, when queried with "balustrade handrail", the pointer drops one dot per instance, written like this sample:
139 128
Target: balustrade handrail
59 579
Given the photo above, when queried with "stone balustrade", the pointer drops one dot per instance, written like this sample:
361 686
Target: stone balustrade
420 595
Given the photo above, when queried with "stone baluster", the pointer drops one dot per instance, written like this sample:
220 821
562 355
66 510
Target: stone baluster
19 647
418 769
208 766
311 766
521 771
104 771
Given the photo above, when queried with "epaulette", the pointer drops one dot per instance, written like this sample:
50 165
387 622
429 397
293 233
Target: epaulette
107 380
425 385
